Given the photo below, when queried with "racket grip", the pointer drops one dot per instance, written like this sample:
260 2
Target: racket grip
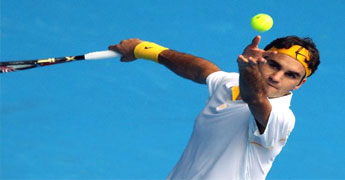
101 55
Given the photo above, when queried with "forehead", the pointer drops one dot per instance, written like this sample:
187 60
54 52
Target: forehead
287 63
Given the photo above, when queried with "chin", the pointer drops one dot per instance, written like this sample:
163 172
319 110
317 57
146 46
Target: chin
276 94
272 93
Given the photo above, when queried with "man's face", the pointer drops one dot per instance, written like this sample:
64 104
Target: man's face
282 74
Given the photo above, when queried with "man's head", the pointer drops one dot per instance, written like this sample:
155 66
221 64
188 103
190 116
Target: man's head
284 71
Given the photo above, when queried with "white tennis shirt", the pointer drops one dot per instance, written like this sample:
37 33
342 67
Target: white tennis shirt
226 143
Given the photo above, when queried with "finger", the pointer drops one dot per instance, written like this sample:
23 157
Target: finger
251 61
114 48
111 47
255 42
242 59
262 60
269 53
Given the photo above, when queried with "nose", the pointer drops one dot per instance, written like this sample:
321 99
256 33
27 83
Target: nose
276 76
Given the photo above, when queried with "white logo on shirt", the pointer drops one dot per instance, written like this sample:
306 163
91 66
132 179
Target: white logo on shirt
221 107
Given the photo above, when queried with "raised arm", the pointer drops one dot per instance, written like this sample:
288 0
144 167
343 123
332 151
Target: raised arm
252 84
185 65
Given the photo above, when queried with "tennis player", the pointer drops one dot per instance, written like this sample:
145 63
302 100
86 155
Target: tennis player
247 119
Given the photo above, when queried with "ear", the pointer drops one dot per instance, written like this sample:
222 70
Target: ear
300 84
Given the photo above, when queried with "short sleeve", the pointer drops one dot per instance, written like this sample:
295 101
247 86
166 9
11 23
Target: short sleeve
280 124
214 80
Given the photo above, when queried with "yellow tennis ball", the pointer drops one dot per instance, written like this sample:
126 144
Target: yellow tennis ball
262 22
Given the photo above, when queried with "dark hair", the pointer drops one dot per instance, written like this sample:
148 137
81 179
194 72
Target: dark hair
288 41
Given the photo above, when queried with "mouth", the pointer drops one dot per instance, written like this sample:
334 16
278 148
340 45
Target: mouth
271 85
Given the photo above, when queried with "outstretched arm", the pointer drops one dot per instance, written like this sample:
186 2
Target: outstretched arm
185 65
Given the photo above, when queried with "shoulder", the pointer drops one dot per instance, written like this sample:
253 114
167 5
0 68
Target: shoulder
221 76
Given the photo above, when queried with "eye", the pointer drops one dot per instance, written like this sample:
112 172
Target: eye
273 64
291 75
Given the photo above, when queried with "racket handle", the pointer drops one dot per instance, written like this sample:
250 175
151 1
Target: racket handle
101 55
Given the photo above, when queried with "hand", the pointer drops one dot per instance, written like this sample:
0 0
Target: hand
126 48
252 83
252 55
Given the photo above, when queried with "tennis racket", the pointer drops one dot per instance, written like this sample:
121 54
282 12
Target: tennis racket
11 66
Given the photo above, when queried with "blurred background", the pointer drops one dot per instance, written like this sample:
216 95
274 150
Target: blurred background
111 120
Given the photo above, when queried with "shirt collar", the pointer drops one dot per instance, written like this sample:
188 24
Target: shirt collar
281 101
